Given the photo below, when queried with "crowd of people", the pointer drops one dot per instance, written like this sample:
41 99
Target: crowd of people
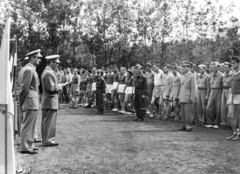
203 95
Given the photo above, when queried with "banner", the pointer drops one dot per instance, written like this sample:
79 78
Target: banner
7 157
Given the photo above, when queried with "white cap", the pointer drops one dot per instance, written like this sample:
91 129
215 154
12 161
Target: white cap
52 57
34 53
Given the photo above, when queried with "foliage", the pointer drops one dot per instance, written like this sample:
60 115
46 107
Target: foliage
90 33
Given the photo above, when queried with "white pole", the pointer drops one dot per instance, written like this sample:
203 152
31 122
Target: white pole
6 139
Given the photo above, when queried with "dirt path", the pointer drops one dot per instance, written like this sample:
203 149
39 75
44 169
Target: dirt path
114 144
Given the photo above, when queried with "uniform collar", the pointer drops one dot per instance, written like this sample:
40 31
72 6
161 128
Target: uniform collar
202 75
32 66
49 68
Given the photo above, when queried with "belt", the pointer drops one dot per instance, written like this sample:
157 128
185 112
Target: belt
226 87
202 88
216 88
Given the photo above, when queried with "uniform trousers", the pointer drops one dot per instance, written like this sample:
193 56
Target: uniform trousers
139 103
99 100
201 105
214 107
224 108
187 115
49 118
27 129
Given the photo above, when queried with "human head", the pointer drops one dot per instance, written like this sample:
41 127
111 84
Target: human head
221 67
202 68
174 68
148 66
227 67
215 67
186 66
235 63
53 61
34 57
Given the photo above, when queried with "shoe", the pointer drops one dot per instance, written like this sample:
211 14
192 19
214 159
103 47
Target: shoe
232 136
189 130
137 119
114 109
182 129
97 112
35 148
236 138
29 152
215 126
50 145
100 113
37 140
209 126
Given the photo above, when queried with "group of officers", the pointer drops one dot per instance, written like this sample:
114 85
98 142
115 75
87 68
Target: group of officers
29 102
208 96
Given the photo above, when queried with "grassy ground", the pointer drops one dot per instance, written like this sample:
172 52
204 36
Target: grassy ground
114 144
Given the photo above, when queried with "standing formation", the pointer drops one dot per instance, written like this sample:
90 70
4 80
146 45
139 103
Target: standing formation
207 96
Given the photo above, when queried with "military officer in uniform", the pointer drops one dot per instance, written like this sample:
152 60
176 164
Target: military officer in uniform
29 102
187 96
140 84
49 101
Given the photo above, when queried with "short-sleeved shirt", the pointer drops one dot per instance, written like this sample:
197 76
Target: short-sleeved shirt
216 80
109 79
116 77
203 81
122 78
129 81
227 79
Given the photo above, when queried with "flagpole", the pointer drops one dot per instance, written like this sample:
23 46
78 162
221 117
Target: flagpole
15 87
6 139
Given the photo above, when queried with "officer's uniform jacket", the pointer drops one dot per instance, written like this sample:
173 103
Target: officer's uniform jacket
188 88
29 83
50 89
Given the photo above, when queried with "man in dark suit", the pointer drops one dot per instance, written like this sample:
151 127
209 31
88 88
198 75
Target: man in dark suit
29 102
49 101
187 96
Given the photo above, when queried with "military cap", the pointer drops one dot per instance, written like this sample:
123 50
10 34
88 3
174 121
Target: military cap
53 57
187 63
215 63
202 66
34 53
221 64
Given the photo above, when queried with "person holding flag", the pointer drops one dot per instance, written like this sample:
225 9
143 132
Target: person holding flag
29 102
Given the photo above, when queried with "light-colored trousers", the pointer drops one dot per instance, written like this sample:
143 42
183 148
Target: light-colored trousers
49 118
201 107
224 108
214 107
187 115
28 125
